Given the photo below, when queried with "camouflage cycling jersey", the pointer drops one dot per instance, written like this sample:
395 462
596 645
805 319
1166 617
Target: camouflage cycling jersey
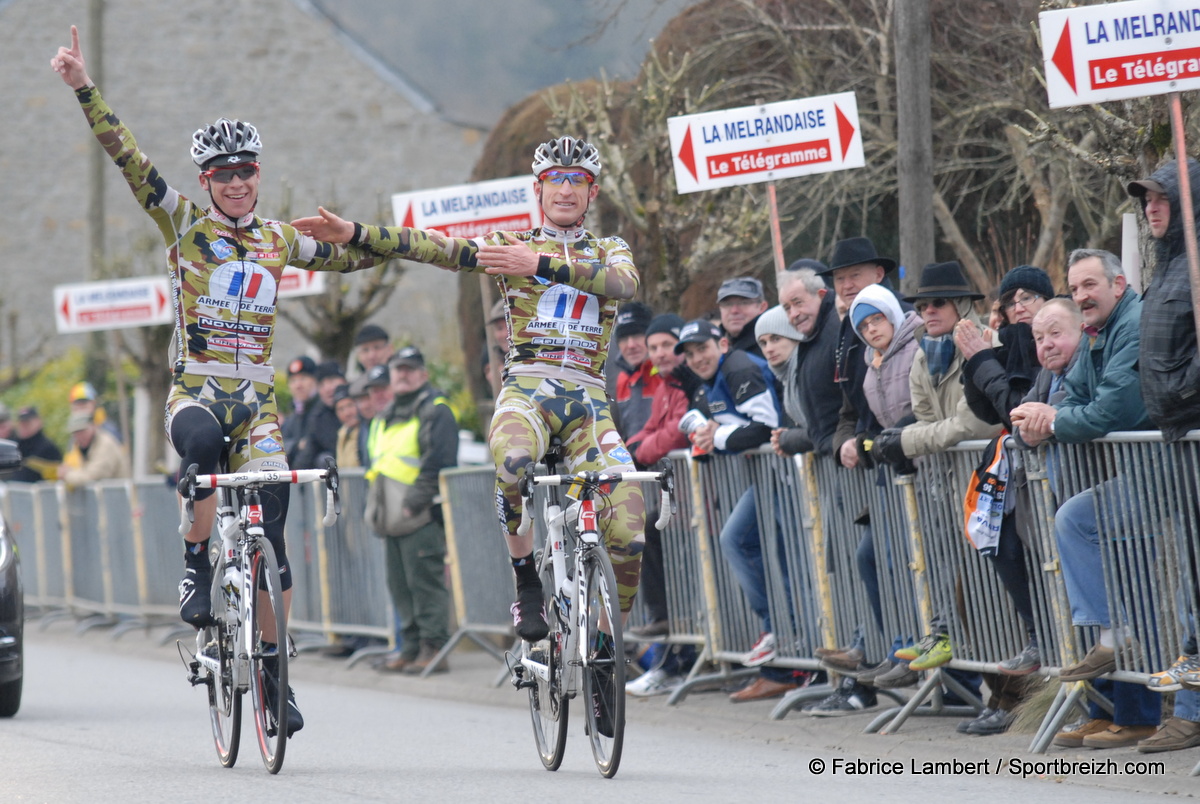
224 273
560 320
560 323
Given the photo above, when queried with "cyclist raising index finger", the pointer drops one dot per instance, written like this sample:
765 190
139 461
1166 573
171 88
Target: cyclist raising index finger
562 285
225 263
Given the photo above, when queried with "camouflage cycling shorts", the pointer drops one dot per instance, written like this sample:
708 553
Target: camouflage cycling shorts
529 411
246 411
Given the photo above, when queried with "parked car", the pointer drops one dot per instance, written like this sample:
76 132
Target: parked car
12 602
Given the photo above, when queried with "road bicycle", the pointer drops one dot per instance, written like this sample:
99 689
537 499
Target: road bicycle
245 646
583 610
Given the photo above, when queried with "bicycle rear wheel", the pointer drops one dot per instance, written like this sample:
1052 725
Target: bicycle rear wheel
268 666
604 675
224 698
548 703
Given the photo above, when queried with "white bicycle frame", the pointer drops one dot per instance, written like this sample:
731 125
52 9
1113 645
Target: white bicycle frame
572 591
238 529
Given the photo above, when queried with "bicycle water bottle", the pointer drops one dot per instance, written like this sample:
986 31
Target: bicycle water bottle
564 597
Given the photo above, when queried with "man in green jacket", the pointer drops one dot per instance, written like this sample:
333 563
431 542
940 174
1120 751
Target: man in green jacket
411 441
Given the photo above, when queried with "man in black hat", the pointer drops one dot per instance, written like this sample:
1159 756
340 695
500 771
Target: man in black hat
372 347
944 418
741 301
411 441
302 385
40 456
318 438
854 266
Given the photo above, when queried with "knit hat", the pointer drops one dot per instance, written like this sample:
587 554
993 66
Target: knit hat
876 299
667 322
1027 277
775 321
632 319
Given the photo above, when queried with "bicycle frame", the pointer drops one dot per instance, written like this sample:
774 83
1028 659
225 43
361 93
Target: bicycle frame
586 624
230 656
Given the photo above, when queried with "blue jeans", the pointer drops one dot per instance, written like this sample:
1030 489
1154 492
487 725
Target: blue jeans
1078 535
742 549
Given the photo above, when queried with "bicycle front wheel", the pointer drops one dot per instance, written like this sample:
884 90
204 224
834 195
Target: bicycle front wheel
548 703
268 666
604 673
224 698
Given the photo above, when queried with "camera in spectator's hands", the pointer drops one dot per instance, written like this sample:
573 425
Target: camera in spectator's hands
689 423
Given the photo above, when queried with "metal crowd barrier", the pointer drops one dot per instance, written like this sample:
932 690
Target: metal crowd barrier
110 552
481 578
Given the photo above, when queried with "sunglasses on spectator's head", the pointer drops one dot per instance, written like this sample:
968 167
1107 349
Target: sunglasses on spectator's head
224 175
576 178
936 304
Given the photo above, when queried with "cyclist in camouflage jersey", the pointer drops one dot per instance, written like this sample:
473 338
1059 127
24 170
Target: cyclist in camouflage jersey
562 286
225 265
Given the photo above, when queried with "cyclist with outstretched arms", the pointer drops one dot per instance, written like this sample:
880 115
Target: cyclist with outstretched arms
562 285
225 263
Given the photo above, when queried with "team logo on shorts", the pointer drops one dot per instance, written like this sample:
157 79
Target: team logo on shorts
268 445
621 454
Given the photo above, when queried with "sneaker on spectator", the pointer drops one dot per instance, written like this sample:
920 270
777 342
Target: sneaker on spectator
654 630
1027 661
989 722
1173 735
761 652
1072 736
1169 680
900 675
937 655
913 651
529 614
653 682
847 701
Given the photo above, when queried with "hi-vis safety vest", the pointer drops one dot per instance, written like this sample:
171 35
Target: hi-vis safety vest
395 449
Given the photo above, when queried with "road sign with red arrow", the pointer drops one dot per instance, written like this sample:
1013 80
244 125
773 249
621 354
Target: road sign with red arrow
470 210
1120 50
144 301
763 143
113 304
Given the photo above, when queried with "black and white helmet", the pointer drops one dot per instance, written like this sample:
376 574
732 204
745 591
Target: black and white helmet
225 138
567 152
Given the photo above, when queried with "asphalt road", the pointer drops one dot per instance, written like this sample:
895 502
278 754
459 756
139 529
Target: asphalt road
106 720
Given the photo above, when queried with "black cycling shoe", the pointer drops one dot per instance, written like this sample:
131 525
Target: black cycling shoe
195 604
270 687
602 690
529 614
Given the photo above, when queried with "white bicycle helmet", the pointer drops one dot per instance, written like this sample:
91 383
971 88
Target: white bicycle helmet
567 152
225 138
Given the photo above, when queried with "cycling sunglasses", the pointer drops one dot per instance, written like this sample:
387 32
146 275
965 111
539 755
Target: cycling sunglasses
576 178
224 175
